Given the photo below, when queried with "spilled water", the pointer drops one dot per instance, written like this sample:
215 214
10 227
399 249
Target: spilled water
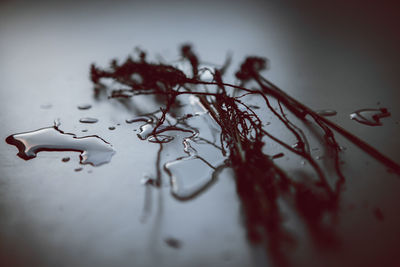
189 176
94 150
370 116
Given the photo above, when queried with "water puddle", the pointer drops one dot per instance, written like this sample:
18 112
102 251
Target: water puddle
189 176
94 150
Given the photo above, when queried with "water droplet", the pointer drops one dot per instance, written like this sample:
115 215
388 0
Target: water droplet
84 130
46 106
160 139
94 150
66 159
84 106
370 116
189 176
138 119
188 148
147 129
78 169
111 128
326 112
173 242
88 120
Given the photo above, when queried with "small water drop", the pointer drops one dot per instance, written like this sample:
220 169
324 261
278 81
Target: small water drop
111 128
189 176
46 106
84 130
65 159
370 116
160 139
88 120
84 106
78 169
188 148
139 119
326 112
94 150
146 130
173 242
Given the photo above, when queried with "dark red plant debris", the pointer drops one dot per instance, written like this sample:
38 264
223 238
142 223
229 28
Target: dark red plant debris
260 183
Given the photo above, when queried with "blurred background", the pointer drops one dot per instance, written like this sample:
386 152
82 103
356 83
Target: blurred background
341 55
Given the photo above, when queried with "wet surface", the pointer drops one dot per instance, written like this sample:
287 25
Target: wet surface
325 57
93 149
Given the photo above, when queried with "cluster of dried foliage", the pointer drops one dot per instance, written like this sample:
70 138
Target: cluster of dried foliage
259 181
